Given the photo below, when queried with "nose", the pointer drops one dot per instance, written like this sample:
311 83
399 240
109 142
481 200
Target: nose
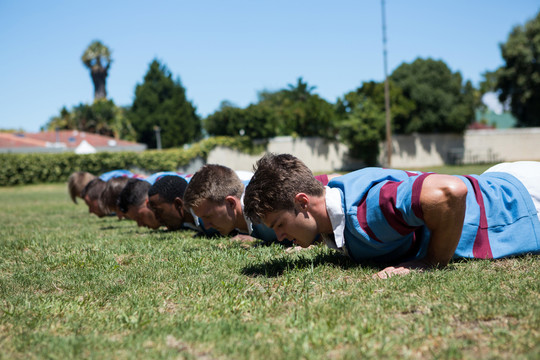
280 236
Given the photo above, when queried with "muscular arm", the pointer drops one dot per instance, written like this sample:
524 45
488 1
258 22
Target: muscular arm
443 202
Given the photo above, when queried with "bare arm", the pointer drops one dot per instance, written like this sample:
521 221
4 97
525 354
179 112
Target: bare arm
443 202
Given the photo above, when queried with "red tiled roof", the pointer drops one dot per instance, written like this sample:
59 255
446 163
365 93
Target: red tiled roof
71 139
8 140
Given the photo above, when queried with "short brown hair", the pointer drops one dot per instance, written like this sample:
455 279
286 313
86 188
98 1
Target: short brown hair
212 182
76 183
93 189
277 180
108 200
133 194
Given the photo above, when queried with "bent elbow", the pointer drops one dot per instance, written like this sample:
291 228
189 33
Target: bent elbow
443 190
456 190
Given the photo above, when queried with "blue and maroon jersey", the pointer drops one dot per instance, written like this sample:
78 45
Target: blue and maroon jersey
384 220
323 179
156 176
116 173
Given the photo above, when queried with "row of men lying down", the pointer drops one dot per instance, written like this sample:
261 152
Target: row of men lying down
214 198
404 219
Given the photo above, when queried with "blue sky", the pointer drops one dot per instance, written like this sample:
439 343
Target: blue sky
231 49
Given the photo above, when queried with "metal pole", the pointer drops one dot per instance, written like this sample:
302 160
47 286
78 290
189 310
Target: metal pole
386 94
157 129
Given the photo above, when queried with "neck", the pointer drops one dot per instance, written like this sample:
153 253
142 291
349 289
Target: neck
188 217
240 222
319 213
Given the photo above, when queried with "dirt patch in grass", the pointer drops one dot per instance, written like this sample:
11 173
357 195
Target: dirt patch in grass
186 348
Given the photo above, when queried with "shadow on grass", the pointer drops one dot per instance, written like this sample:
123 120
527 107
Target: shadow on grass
116 226
276 267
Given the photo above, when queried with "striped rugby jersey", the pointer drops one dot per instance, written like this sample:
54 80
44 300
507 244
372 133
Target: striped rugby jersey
384 219
156 176
115 174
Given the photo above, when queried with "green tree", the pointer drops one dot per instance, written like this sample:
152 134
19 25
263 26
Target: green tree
255 121
97 58
301 91
400 106
363 128
291 111
300 112
443 102
160 101
223 122
102 117
518 81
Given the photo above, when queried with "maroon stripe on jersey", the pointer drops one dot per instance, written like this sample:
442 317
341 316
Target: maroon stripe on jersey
387 204
481 246
361 214
411 174
415 195
323 179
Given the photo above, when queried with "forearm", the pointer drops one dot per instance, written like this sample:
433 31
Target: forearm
443 201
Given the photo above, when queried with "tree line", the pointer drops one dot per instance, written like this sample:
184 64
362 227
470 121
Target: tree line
425 97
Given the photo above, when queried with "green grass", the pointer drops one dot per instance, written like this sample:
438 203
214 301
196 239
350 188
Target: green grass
74 286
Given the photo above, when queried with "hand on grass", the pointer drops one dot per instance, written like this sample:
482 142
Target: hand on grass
401 269
243 238
391 271
297 248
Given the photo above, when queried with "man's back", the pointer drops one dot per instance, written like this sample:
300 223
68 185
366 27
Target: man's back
384 219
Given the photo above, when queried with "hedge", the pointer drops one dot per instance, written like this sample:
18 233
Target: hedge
19 169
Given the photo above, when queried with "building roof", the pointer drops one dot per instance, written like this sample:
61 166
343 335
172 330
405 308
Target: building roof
500 121
63 140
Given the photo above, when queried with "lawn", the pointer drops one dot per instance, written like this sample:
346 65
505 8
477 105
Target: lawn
75 286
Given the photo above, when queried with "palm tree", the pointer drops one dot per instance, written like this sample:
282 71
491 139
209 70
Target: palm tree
300 92
97 58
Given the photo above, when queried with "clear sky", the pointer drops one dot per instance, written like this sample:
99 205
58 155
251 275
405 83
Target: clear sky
232 49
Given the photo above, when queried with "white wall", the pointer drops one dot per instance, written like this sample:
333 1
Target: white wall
505 144
409 151
319 155
419 150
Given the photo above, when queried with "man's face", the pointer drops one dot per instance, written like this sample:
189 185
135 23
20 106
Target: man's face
93 206
119 213
297 226
218 216
143 216
170 215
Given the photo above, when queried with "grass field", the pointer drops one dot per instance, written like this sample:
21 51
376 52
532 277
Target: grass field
75 286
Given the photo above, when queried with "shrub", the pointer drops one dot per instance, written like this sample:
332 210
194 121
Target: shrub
19 169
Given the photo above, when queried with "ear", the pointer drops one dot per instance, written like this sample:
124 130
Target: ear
231 201
179 205
301 201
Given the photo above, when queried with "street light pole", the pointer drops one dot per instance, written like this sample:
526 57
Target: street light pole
157 129
386 94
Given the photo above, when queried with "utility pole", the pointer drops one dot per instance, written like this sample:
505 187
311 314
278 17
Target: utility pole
386 94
